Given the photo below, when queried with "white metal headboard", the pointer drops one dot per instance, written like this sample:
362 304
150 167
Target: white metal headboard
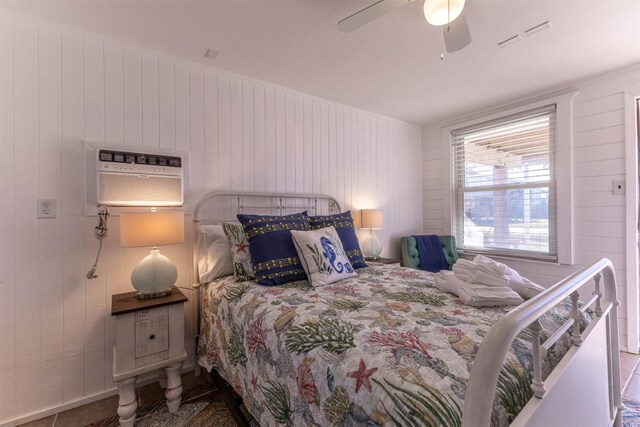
230 203
278 203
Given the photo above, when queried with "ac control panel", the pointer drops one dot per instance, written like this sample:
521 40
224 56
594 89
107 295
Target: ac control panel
141 163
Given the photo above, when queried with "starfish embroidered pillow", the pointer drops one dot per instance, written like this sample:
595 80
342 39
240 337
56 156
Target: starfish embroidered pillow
322 255
242 266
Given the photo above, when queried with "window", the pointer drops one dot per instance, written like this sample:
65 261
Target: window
504 200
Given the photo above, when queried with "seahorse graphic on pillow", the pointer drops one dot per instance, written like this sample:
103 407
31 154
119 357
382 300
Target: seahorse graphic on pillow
331 253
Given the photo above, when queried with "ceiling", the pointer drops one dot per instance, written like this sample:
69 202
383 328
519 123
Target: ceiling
392 65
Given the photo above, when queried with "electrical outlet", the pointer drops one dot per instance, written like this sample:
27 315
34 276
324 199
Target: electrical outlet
46 208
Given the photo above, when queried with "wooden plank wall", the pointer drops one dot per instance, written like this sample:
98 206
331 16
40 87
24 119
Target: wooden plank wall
60 87
598 158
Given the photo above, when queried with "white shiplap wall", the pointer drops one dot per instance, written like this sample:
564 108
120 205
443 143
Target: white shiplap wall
598 158
60 87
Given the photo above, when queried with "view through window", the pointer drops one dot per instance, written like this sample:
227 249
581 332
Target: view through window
505 198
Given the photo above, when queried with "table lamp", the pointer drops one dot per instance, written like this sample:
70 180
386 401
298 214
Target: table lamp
155 274
371 219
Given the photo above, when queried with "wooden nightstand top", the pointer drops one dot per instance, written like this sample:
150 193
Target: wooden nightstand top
383 260
128 302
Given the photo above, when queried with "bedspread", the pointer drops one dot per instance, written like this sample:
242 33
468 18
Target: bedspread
383 348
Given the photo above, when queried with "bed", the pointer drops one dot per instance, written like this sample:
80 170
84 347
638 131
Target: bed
388 348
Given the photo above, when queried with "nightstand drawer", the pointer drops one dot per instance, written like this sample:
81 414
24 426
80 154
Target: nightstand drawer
152 336
149 333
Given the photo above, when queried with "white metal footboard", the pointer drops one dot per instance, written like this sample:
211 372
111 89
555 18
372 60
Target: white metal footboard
584 389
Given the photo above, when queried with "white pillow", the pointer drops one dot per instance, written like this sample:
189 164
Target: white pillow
322 256
216 259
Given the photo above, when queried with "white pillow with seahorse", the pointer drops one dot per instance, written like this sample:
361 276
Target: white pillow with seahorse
322 255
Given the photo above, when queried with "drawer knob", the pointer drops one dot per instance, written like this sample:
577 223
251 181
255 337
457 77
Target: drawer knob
152 336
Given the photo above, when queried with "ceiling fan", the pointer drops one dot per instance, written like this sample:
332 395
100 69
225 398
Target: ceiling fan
447 14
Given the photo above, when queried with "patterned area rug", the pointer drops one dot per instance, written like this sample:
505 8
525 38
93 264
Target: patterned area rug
631 413
201 406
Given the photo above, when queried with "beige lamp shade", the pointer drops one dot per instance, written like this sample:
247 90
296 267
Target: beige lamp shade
371 218
151 229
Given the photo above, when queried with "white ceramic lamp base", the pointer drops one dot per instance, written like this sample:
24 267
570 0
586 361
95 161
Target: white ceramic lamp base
371 247
154 275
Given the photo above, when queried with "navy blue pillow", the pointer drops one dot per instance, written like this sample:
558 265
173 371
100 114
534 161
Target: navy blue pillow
343 222
273 254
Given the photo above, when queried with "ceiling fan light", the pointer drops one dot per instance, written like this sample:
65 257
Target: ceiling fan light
442 12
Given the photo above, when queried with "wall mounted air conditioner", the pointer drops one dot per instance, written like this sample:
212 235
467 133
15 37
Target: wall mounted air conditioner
121 178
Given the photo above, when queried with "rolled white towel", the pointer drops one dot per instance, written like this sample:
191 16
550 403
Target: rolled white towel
466 270
487 279
465 263
483 264
523 286
529 289
490 265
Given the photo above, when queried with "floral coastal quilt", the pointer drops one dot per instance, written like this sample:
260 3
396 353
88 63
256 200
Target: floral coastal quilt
385 348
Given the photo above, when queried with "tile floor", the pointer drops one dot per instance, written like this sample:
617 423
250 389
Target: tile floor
83 415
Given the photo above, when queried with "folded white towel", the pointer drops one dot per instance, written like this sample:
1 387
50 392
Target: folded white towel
482 296
523 286
448 282
462 271
473 272
476 295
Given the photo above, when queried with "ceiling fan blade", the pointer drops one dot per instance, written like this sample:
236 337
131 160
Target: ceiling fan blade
368 14
456 34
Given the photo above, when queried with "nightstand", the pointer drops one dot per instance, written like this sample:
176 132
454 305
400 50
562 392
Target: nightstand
149 336
388 261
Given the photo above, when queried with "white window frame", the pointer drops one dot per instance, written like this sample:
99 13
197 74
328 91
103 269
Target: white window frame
564 187
632 218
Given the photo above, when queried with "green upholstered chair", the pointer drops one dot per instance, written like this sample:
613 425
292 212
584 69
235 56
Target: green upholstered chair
411 258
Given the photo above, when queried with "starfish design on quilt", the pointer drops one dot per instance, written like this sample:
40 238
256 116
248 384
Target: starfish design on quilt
241 247
362 376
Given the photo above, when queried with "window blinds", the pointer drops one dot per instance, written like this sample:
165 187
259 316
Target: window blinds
504 183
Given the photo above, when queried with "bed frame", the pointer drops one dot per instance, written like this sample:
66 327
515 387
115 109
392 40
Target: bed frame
567 397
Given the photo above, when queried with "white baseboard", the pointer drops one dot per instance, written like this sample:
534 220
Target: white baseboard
79 402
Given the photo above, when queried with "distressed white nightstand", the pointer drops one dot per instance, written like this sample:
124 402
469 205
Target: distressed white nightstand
149 336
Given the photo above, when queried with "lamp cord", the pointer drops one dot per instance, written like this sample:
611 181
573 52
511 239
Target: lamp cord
100 233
